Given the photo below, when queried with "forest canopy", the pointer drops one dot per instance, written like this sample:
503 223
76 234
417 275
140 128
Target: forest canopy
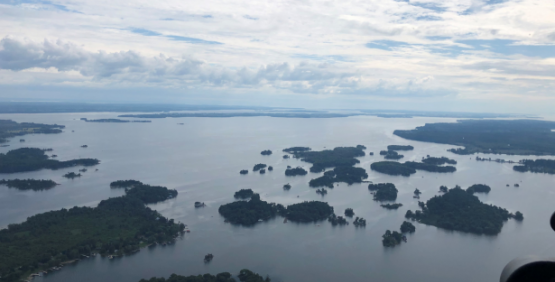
537 166
340 156
29 184
244 276
347 174
30 159
10 128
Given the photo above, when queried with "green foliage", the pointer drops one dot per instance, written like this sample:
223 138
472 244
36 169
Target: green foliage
72 175
337 220
244 171
308 211
287 187
258 167
116 226
125 183
322 191
151 194
537 166
249 212
29 184
349 212
295 171
30 159
383 191
9 128
461 211
518 216
407 227
438 161
392 168
478 188
443 189
347 174
340 156
430 168
400 148
359 222
391 155
266 152
512 137
294 150
392 206
391 239
243 194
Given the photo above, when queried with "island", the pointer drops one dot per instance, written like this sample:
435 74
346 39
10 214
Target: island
320 160
391 155
266 152
10 128
294 150
244 171
270 168
443 189
243 194
286 156
511 137
295 171
337 220
392 206
321 192
113 120
114 227
536 166
400 148
29 184
287 187
438 161
407 227
383 191
461 211
308 211
347 174
72 175
31 159
478 188
359 222
349 212
250 212
258 167
125 183
392 239
408 168
262 171
244 275
150 194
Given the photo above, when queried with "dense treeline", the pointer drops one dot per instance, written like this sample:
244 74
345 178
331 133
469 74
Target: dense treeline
512 137
430 168
407 227
125 183
438 161
337 220
116 226
294 150
266 152
391 155
10 128
347 174
308 211
392 168
258 167
383 191
30 159
29 184
478 188
244 171
243 194
340 156
400 148
244 276
392 206
250 212
295 171
538 166
72 175
349 212
391 239
461 211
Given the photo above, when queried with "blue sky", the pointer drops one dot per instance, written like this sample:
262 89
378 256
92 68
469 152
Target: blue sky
460 54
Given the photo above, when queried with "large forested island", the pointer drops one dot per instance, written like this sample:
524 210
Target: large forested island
461 211
125 183
29 184
347 174
146 193
513 137
538 166
320 160
408 168
30 159
249 212
9 128
244 276
383 191
116 226
308 211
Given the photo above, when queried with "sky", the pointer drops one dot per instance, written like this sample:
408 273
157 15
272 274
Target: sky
459 55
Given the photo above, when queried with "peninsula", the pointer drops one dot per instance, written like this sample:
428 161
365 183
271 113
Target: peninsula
30 159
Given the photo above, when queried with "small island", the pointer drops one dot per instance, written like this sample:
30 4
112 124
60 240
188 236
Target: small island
72 175
29 184
443 189
392 206
287 187
349 212
407 227
536 166
408 168
10 128
286 156
125 183
392 239
478 188
308 211
461 211
337 220
258 167
321 192
113 120
262 171
347 174
391 155
321 160
400 148
244 171
31 159
244 276
295 171
243 194
150 194
270 168
250 212
266 152
383 191
294 150
359 222
438 161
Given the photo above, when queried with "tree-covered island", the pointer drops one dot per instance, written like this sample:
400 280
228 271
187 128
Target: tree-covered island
266 152
72 175
349 212
9 129
392 239
29 184
392 206
258 167
400 148
478 188
537 166
294 150
116 226
287 187
125 183
383 191
408 168
30 159
244 276
391 155
295 171
461 211
321 160
347 174
308 211
250 212
407 227
438 161
243 194
359 222
146 193
244 171
512 137
337 220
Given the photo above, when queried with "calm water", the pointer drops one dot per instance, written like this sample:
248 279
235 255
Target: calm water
202 159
